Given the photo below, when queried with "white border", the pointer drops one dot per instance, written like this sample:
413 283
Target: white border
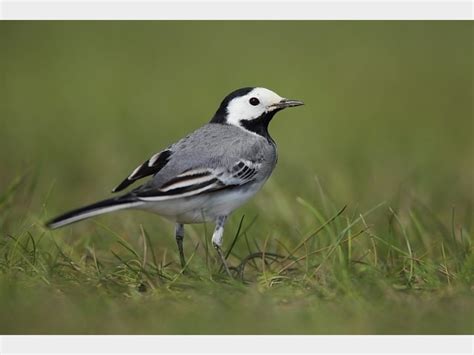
237 9
237 344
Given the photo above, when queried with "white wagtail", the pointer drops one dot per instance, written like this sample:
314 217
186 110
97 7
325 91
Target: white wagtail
207 174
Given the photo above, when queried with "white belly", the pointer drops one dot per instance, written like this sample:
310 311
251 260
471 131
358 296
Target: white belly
202 208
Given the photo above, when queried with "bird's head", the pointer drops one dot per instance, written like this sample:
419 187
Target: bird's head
252 108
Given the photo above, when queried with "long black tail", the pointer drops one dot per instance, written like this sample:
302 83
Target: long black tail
105 206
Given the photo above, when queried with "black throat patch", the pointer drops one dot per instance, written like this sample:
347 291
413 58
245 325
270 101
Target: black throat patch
260 124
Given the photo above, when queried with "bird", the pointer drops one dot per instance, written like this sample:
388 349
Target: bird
207 174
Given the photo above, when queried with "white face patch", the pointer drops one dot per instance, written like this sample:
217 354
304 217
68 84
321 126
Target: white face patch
251 106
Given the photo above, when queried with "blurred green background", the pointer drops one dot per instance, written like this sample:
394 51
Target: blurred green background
388 104
388 114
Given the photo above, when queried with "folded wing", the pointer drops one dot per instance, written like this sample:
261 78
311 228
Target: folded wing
197 181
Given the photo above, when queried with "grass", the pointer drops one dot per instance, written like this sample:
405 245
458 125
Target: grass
342 275
364 228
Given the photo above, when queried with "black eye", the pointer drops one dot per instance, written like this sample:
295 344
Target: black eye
254 101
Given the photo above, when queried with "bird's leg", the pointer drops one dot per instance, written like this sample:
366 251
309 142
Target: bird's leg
217 240
179 234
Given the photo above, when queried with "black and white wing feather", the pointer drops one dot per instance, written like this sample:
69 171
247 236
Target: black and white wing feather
150 167
197 181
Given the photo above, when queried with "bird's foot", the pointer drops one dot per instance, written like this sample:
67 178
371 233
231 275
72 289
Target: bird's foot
222 257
